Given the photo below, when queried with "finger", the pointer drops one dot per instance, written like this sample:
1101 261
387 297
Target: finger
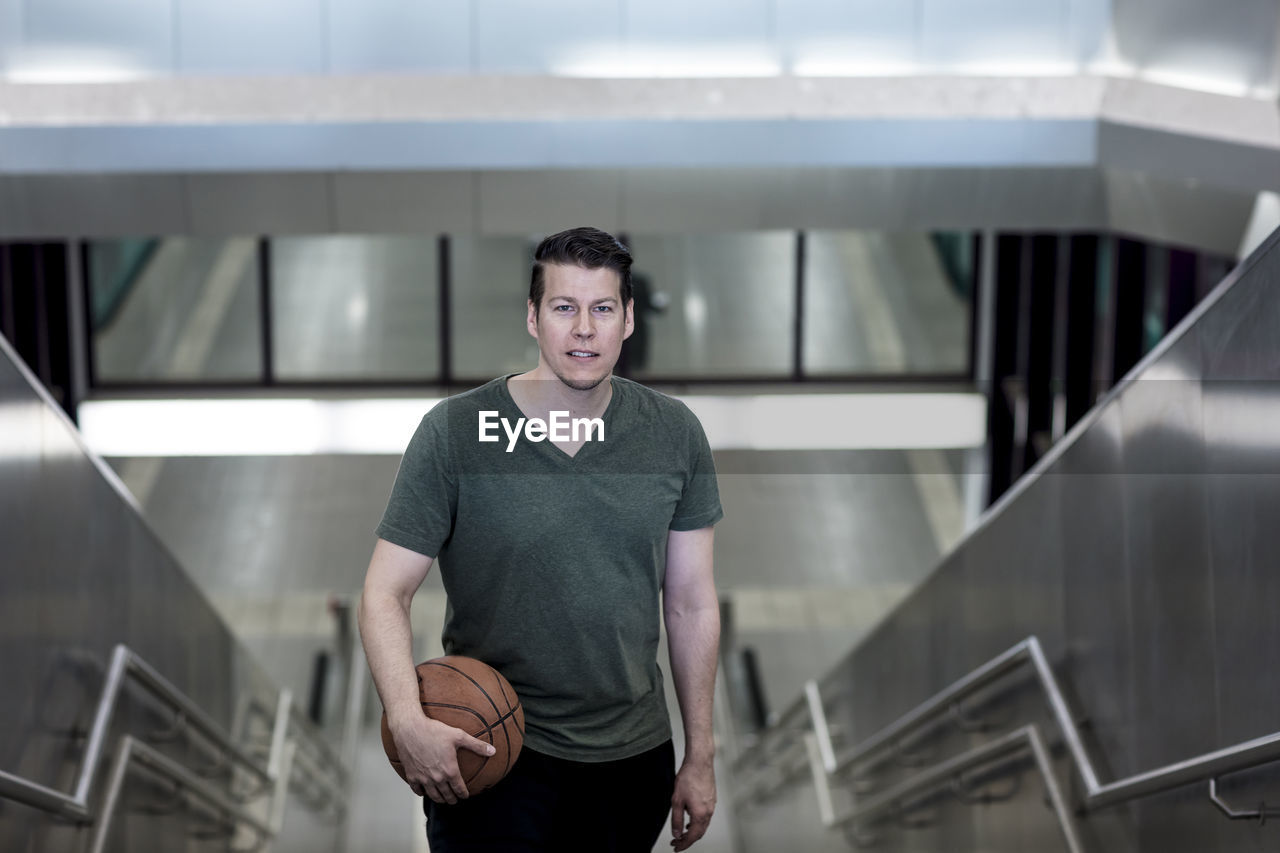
477 746
442 792
686 841
694 832
456 787
677 819
448 783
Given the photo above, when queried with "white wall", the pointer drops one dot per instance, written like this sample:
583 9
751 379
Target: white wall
1227 44
653 38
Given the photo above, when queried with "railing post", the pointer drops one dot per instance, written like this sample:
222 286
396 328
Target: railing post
330 773
821 781
822 733
824 763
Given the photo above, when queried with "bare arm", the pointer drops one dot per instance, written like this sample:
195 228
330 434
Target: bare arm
692 614
427 748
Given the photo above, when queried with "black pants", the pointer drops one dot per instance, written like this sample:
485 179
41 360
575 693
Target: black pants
548 804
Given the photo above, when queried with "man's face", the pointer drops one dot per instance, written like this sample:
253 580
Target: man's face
581 324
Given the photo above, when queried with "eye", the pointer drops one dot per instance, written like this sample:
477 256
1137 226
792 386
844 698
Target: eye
604 309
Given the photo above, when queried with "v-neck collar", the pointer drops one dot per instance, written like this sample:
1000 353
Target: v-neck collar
547 444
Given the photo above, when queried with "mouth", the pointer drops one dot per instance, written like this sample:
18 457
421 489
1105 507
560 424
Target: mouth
582 354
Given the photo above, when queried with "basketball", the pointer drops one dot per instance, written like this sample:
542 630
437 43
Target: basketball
470 695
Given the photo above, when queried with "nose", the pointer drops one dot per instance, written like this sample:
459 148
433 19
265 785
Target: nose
583 326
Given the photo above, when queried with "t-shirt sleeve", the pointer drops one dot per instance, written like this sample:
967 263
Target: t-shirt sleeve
700 504
421 509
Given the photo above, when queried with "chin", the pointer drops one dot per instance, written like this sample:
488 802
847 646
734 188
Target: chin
583 384
578 382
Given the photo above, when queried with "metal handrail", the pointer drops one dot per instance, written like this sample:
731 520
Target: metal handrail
924 783
124 664
1260 814
917 722
912 725
777 749
332 774
789 724
127 665
329 772
324 753
134 753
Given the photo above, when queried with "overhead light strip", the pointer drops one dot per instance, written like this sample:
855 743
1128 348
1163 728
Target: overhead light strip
291 427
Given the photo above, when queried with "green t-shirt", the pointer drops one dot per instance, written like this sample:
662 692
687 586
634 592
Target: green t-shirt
553 564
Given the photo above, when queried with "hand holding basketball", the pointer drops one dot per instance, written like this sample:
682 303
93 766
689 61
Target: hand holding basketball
469 709
424 752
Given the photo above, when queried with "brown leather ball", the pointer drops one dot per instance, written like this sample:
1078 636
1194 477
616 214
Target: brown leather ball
470 695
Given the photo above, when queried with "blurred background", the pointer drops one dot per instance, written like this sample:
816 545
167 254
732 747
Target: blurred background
910 263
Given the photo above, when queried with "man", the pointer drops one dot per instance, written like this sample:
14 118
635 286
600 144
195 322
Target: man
554 544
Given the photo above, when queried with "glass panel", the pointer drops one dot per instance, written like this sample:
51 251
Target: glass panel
355 307
713 305
1155 305
178 309
879 302
490 291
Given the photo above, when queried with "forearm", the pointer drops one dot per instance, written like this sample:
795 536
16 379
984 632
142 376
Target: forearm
693 638
427 748
394 576
388 645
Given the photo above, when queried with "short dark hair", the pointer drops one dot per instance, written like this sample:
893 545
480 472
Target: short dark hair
586 247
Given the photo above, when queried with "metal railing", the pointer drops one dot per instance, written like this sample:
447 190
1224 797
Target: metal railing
945 775
325 774
828 764
771 759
